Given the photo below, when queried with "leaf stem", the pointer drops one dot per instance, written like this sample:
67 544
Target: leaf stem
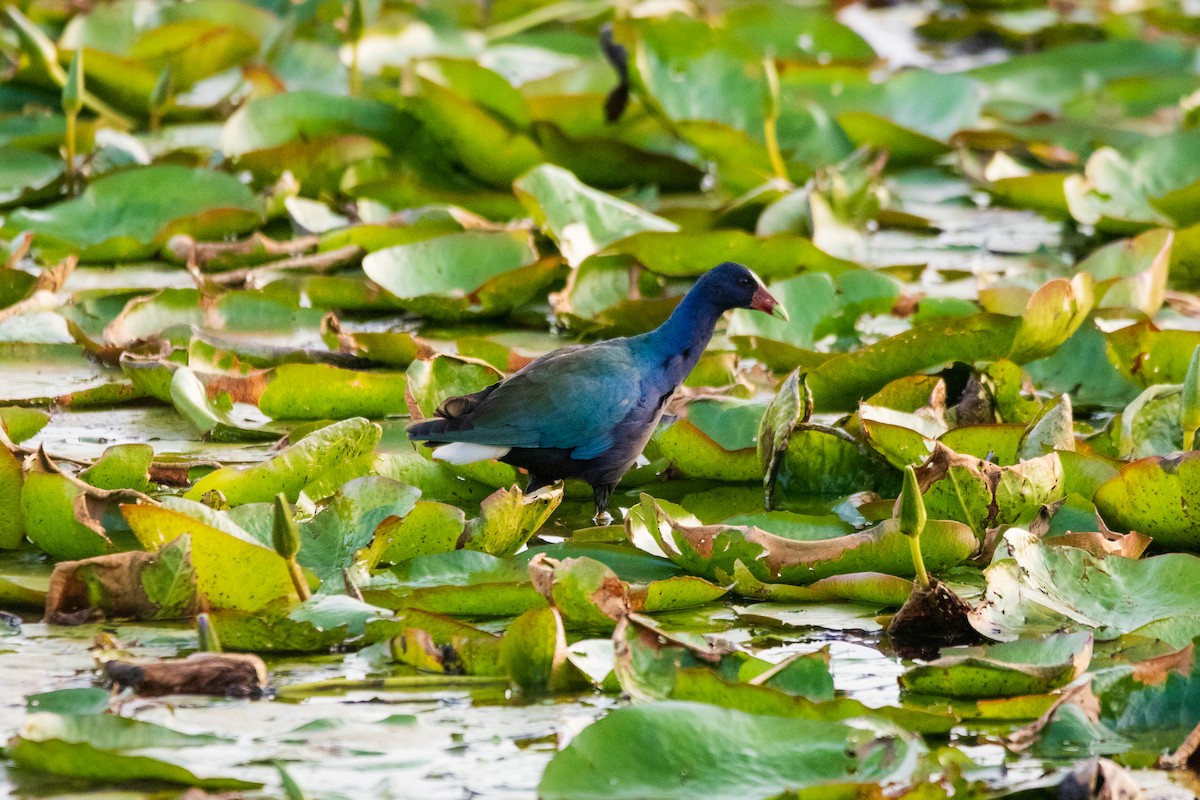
71 150
392 682
914 546
298 580
355 75
771 119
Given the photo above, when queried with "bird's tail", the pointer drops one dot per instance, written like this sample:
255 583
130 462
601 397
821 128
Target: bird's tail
427 429
452 416
432 431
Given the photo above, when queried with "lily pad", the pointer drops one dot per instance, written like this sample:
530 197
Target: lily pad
233 569
301 464
477 273
103 749
131 214
1030 666
1034 587
1155 496
716 551
582 220
759 756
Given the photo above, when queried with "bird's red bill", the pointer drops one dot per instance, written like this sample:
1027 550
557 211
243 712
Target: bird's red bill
764 301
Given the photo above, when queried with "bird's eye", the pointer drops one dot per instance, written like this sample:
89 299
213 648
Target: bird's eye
744 281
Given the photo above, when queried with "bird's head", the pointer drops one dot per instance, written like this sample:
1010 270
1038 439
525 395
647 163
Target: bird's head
732 285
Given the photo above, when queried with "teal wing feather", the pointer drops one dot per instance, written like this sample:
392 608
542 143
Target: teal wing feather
570 399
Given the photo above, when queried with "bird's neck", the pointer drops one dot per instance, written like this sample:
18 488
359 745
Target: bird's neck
685 334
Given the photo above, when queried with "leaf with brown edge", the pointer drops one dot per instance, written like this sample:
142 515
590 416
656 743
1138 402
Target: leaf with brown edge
984 495
587 593
714 551
647 659
67 518
592 597
133 584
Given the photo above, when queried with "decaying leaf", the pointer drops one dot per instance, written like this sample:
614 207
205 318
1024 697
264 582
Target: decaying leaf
133 584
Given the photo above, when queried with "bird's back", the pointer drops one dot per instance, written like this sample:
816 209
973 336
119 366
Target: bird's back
575 399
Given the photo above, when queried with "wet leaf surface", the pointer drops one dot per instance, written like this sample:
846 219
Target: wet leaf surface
280 232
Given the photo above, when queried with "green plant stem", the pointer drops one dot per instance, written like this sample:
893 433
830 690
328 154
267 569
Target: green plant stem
71 150
771 120
298 580
394 682
355 75
922 577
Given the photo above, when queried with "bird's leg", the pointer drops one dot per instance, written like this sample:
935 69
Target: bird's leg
601 494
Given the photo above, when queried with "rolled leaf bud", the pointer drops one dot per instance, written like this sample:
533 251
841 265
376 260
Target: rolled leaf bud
285 535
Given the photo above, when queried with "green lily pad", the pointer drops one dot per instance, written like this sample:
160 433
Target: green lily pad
1146 355
759 756
434 380
1148 188
534 653
67 518
984 495
233 569
12 477
716 439
103 749
27 175
581 220
589 595
278 119
477 273
330 541
1132 273
693 253
820 460
131 214
233 312
122 466
507 518
428 529
716 551
302 464
1028 666
21 423
1155 496
461 582
436 643
1033 587
268 632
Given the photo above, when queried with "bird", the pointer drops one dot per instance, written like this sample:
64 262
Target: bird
587 411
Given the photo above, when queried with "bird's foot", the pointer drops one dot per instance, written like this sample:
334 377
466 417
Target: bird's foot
602 518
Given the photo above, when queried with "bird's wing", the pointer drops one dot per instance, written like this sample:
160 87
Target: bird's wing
570 399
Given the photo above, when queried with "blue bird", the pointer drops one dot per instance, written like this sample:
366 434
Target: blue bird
586 411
